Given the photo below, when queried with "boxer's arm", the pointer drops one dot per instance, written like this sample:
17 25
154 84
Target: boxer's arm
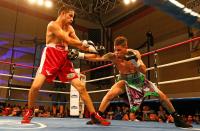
86 45
61 34
74 36
73 33
142 66
94 57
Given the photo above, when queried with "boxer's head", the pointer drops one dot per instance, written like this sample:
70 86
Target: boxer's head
67 14
120 46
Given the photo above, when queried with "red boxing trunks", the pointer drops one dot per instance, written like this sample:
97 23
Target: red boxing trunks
54 62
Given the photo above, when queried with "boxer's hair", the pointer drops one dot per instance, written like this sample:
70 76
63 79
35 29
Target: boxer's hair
120 40
65 9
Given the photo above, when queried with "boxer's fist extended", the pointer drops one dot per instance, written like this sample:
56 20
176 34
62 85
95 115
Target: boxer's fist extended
100 49
74 54
131 56
85 43
90 45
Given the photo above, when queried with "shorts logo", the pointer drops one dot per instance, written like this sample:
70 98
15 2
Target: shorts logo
74 107
48 73
146 89
70 75
74 96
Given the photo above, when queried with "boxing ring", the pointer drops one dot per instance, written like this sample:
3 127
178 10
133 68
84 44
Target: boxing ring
76 124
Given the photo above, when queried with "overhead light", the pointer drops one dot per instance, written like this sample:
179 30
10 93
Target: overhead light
126 2
32 1
133 0
40 2
48 3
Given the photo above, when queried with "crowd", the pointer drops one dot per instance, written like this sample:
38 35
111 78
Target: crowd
113 113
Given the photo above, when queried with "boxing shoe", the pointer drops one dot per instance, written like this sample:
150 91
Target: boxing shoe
97 119
27 116
179 122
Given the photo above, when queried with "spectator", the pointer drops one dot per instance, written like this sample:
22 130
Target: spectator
162 115
118 113
58 108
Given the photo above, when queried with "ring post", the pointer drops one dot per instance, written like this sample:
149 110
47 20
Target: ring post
81 104
156 68
74 99
10 81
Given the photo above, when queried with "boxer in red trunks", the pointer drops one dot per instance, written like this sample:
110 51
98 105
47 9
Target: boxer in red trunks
55 62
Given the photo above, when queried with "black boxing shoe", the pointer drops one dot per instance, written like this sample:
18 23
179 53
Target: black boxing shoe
179 122
90 122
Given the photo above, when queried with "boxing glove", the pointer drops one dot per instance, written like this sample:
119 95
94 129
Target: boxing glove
90 45
74 54
130 56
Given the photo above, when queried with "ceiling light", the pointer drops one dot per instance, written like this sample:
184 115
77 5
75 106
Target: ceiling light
133 0
48 4
32 1
40 2
126 2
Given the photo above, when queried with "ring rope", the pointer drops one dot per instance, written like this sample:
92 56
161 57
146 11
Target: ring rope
25 89
145 54
20 100
176 63
19 65
107 65
98 91
151 68
160 83
179 80
103 78
171 46
150 53
18 76
109 77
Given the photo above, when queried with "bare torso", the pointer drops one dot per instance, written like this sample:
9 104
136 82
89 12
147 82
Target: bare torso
123 66
51 38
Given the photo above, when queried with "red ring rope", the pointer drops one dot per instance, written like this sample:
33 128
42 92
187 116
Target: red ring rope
151 52
107 65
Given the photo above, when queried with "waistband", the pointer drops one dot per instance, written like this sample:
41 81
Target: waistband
131 75
57 46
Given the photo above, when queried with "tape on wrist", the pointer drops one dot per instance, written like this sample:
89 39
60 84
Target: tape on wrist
81 55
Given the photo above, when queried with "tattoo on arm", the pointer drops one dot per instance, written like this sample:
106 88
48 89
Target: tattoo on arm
108 56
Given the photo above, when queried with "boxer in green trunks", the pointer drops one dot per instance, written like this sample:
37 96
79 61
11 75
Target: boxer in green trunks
132 80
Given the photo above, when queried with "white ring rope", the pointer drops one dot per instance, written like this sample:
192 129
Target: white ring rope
160 66
109 77
176 63
98 91
103 78
25 89
18 76
179 80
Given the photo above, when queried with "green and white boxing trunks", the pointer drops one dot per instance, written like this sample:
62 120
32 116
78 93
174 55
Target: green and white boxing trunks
137 88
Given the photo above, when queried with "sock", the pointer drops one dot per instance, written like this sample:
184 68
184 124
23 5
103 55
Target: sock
174 114
100 113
